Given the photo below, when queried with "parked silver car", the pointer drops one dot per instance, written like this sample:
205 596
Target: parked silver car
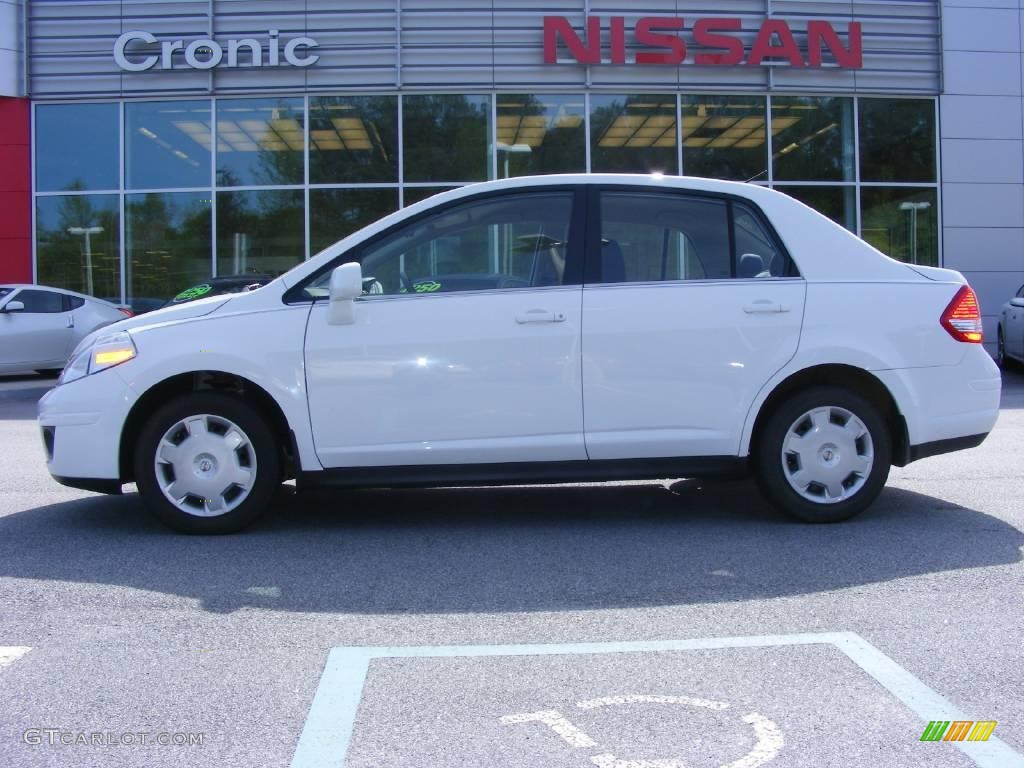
1010 333
40 326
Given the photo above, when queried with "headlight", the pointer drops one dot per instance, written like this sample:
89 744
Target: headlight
104 352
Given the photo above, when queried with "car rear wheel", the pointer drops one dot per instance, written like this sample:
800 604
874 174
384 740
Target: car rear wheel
207 463
823 455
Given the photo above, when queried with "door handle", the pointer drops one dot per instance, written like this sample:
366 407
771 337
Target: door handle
540 316
764 306
70 322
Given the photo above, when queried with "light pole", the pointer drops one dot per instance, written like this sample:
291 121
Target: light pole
914 208
88 232
509 149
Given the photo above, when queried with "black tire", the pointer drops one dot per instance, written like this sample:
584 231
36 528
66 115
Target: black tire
49 372
771 472
261 440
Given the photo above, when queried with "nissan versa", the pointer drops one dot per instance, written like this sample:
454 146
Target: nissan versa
563 328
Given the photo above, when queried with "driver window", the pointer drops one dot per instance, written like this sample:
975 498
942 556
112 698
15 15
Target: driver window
515 241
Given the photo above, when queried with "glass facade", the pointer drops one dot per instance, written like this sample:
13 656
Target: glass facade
144 198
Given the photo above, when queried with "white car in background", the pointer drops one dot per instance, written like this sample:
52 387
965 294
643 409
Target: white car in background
544 329
40 326
1010 332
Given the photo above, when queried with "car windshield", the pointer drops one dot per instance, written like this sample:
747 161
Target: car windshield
4 291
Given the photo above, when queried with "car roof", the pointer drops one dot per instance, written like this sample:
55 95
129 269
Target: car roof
34 286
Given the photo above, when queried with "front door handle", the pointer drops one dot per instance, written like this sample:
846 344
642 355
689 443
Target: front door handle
764 306
540 316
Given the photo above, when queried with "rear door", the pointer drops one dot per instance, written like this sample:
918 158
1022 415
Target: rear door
689 307
40 335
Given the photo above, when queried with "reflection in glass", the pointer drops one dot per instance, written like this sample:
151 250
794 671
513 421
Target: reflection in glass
540 134
515 241
416 194
897 139
633 134
167 144
724 137
168 244
78 245
353 139
446 137
259 232
260 141
901 222
76 147
812 138
838 203
337 213
653 237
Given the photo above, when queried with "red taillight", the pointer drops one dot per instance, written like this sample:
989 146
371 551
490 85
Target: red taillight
126 312
962 318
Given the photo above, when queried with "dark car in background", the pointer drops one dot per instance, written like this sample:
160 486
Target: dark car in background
217 286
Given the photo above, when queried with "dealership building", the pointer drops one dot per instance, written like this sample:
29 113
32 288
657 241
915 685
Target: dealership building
148 144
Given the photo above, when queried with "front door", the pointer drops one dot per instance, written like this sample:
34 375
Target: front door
40 335
692 310
465 347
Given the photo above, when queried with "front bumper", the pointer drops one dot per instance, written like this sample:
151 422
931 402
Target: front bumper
81 424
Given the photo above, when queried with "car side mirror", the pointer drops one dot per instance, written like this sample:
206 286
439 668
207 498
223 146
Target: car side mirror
346 286
14 306
1014 302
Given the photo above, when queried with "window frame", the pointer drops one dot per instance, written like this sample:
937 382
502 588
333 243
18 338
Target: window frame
573 260
60 296
592 267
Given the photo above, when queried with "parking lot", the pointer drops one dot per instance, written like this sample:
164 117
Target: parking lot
626 625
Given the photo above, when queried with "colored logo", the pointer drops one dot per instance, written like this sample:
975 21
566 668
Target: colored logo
958 730
194 293
427 287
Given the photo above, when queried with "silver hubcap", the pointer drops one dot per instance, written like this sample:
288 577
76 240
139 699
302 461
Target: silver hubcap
205 465
827 455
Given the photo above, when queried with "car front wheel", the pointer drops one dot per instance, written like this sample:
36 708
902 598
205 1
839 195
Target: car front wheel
823 455
207 463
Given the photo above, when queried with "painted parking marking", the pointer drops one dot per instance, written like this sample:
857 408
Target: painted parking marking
557 722
327 732
769 736
11 653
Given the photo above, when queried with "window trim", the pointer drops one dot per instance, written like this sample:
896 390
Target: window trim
592 266
573 259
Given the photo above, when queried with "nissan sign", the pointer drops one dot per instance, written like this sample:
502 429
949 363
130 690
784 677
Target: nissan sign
206 53
714 40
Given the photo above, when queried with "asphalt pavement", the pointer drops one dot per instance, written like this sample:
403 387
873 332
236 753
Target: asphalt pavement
625 625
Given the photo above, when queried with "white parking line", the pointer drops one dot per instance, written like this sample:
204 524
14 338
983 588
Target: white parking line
327 732
11 653
556 721
617 701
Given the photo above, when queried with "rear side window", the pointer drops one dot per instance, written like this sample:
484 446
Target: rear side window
757 255
649 237
73 302
42 302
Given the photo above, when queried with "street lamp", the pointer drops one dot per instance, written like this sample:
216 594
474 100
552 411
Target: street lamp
88 232
509 149
914 208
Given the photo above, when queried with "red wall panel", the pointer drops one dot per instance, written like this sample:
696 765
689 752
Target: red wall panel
15 192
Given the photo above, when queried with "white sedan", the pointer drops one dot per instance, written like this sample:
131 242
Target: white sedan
40 326
1010 331
545 329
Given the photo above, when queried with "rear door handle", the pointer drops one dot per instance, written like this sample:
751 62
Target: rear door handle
540 316
764 306
70 322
